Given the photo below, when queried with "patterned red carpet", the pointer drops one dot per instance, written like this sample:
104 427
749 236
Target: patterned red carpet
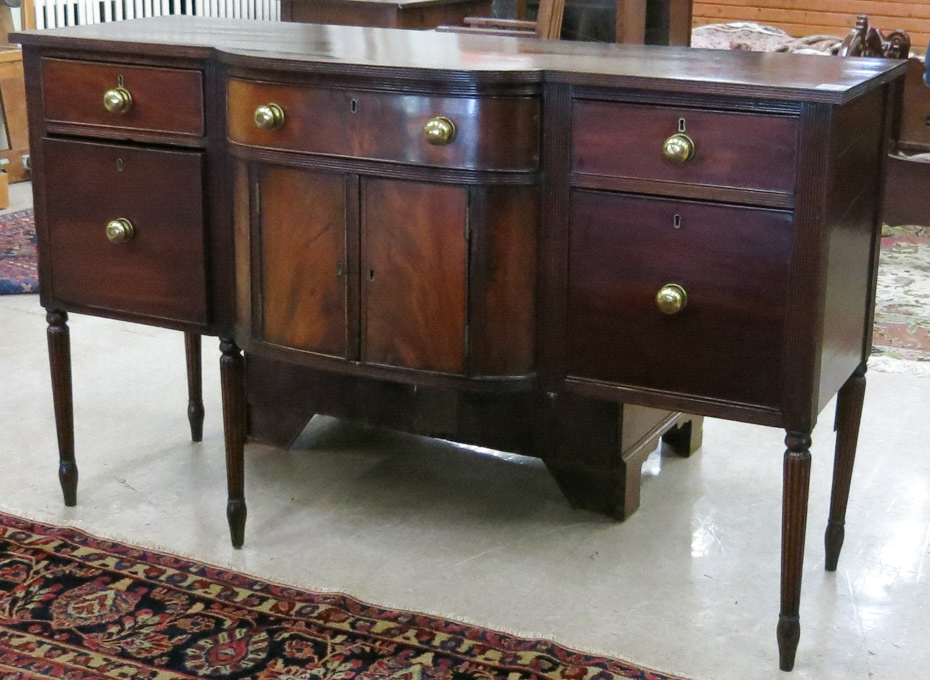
18 273
78 607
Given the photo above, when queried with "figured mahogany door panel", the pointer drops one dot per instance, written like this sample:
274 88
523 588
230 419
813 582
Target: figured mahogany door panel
154 265
304 269
160 99
731 149
490 133
414 260
731 264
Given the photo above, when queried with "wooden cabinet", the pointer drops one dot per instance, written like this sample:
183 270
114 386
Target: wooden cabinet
544 247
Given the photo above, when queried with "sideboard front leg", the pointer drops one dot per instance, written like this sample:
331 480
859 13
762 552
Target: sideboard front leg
233 387
848 414
797 473
59 356
194 385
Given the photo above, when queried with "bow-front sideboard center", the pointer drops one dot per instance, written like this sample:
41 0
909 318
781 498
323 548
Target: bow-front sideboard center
526 239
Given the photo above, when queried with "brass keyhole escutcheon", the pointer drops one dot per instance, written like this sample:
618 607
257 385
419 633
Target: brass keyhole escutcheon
120 230
439 131
671 298
117 100
268 117
678 148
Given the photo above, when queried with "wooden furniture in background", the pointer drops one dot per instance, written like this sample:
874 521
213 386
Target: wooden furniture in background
14 120
413 14
479 233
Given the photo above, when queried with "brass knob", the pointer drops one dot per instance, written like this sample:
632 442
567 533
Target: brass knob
439 131
120 230
678 148
268 117
671 298
117 100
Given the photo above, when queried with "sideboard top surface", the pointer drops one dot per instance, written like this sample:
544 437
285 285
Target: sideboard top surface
296 46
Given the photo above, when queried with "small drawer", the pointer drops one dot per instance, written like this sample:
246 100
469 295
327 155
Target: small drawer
143 98
730 149
727 268
487 133
150 264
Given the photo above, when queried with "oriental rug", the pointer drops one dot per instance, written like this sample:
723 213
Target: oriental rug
84 608
18 268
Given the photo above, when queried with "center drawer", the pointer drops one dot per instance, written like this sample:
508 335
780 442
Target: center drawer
488 133
723 270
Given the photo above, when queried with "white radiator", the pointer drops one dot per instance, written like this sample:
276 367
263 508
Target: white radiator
58 13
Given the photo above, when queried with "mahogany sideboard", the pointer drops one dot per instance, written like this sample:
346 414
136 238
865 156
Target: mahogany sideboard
514 240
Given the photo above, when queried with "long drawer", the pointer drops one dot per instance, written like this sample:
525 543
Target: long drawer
488 133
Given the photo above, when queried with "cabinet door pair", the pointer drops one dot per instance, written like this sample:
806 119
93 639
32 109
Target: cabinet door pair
365 269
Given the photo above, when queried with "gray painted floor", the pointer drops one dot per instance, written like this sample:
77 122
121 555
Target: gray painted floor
689 584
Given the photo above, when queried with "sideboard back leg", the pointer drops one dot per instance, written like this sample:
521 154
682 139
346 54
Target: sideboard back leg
233 387
194 385
797 475
848 414
686 436
59 356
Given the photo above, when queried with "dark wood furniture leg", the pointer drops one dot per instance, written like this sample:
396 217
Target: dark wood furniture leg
194 385
797 474
59 356
848 414
232 378
686 437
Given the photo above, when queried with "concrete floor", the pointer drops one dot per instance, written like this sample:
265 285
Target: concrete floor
689 584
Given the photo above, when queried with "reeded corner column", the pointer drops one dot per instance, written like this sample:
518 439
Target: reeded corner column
59 356
232 377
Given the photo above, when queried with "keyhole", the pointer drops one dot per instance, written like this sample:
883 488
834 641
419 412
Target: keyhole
371 274
681 125
676 221
353 105
119 164
119 81
339 269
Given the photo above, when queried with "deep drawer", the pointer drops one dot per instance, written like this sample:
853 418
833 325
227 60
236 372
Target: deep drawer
732 262
164 100
731 149
160 271
491 133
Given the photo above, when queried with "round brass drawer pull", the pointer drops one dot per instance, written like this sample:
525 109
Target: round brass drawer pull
117 100
120 230
671 298
268 117
678 148
439 131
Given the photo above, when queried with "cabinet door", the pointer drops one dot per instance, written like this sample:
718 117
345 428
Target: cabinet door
413 275
302 259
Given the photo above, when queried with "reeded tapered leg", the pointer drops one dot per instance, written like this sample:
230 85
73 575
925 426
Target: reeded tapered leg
59 357
233 386
194 382
848 414
797 474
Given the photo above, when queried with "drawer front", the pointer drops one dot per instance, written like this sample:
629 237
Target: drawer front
161 99
491 133
160 271
732 262
734 150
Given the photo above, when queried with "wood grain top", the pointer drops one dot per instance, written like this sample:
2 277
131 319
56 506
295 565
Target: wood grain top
318 47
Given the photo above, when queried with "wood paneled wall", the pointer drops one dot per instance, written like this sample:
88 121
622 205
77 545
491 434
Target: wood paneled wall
827 17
